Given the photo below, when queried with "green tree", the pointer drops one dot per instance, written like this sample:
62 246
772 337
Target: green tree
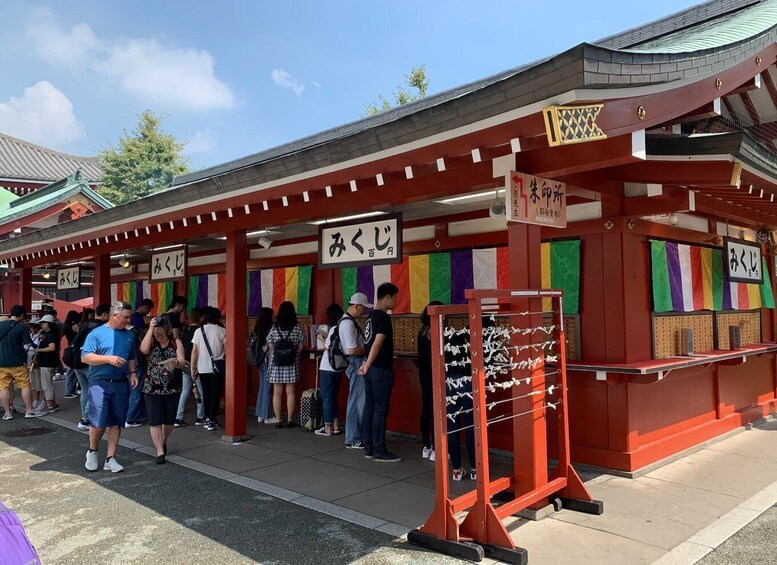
417 83
144 163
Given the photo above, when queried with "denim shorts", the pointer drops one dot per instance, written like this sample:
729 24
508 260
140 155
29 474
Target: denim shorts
108 402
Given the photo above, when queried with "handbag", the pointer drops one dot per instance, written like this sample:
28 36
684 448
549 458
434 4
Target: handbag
220 365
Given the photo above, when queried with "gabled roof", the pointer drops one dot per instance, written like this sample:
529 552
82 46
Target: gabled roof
21 160
60 191
607 63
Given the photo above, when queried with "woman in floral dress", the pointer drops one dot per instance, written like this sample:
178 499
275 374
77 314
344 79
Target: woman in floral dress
162 385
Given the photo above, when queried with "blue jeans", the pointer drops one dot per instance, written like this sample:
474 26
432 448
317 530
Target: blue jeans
330 387
355 409
70 382
137 404
264 396
464 422
377 394
185 390
83 380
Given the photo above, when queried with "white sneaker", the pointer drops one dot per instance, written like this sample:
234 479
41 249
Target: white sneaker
259 419
91 461
431 455
30 414
35 404
41 411
458 474
8 416
271 420
112 465
426 452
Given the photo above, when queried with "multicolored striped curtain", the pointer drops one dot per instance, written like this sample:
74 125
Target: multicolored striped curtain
445 276
690 277
135 291
268 287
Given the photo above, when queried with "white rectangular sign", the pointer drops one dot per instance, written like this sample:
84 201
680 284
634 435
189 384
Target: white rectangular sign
69 278
168 265
376 242
742 261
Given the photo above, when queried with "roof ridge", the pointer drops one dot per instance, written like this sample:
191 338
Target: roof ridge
677 21
47 150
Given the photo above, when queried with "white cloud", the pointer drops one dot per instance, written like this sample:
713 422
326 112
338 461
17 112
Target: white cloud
285 80
160 75
51 43
44 115
167 76
201 142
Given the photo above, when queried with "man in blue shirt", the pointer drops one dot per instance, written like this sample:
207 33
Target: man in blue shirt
109 351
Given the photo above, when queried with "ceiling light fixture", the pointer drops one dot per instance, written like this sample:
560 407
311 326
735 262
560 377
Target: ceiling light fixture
472 196
265 242
167 247
346 218
124 262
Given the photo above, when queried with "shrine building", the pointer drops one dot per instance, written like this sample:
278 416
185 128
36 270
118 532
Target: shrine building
658 144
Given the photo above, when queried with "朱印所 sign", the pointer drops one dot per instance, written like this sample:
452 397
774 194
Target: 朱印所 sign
168 265
374 242
742 261
69 278
535 200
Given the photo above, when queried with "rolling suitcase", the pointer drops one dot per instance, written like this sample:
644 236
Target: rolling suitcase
311 407
15 546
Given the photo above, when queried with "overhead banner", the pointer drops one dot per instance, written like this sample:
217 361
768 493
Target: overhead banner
742 261
375 242
69 278
168 266
687 278
535 200
445 276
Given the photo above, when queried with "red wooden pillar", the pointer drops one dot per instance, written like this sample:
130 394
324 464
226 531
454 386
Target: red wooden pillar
25 293
101 288
529 431
237 334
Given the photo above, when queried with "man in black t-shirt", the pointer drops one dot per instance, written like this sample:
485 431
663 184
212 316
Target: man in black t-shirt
14 335
378 373
177 307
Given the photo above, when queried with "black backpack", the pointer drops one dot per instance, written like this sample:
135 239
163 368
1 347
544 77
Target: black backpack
285 352
338 359
255 352
71 356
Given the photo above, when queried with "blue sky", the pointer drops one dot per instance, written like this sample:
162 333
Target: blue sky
239 76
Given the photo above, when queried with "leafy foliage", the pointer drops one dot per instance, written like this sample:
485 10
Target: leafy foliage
144 163
416 81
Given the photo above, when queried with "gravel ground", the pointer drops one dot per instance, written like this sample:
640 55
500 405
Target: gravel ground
752 545
165 513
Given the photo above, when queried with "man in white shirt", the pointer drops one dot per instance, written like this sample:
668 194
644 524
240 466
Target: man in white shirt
352 340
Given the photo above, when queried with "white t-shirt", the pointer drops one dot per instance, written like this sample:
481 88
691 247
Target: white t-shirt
216 338
324 365
350 336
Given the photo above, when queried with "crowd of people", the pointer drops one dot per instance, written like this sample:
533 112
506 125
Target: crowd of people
128 368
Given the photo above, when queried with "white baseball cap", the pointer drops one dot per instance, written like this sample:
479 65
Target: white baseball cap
361 299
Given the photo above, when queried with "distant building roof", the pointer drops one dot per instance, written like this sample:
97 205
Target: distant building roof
63 191
21 160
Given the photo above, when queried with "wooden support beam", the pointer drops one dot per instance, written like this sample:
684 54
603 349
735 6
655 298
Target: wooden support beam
679 200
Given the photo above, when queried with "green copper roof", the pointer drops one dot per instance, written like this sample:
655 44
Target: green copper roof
56 192
6 196
725 30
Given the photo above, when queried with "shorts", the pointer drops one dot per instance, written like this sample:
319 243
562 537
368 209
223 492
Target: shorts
19 375
162 408
108 403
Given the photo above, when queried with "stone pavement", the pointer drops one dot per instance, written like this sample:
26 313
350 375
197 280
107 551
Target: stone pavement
676 513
